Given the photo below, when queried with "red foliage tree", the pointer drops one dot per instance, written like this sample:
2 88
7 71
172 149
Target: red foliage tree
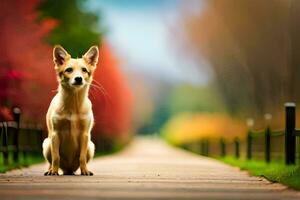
27 76
111 97
26 69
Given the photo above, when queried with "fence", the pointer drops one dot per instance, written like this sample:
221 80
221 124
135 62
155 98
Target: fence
19 139
289 135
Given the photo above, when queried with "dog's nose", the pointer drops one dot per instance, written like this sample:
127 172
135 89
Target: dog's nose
78 80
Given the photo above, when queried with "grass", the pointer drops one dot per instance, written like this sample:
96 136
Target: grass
275 172
30 159
34 159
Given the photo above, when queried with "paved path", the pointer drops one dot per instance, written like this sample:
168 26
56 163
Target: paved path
147 169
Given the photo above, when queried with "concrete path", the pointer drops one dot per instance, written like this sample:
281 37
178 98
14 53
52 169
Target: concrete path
147 169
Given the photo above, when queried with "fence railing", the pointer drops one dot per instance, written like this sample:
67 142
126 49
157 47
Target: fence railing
289 135
19 139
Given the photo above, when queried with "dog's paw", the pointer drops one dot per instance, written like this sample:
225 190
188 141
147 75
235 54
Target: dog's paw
51 173
86 173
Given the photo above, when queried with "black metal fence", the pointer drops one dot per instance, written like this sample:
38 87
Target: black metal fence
261 142
19 139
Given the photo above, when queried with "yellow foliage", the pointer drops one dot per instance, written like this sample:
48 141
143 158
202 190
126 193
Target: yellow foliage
190 127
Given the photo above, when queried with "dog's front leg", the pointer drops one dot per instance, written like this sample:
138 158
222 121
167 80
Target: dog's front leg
83 155
53 170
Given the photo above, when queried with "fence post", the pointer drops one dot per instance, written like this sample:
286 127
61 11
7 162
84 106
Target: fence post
290 139
40 138
268 144
5 143
202 144
16 113
250 124
223 147
237 147
207 147
268 118
249 145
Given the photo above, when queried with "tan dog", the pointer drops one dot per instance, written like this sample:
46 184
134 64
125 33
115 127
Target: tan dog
70 117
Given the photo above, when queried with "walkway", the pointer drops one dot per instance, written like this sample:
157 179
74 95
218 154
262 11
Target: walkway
147 169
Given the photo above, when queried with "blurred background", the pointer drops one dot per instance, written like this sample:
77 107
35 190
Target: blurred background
180 69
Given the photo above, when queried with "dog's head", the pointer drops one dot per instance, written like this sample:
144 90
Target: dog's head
75 73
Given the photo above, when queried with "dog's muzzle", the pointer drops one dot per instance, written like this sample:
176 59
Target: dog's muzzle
78 81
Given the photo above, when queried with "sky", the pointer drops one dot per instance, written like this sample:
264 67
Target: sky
142 34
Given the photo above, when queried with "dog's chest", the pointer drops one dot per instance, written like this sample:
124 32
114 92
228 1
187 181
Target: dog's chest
69 129
68 124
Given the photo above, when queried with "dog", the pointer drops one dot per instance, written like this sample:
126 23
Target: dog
70 118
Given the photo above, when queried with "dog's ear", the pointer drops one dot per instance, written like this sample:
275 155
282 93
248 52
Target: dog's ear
91 56
60 55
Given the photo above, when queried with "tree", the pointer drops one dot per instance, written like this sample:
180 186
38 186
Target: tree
27 75
28 79
76 29
253 48
111 97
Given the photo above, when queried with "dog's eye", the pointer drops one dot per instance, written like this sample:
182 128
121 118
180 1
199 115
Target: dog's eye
84 70
69 70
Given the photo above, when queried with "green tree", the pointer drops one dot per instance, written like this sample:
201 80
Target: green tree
77 29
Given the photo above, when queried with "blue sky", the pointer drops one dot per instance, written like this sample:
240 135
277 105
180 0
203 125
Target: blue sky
140 31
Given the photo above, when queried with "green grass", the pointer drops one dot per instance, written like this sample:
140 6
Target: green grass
275 172
36 158
30 159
